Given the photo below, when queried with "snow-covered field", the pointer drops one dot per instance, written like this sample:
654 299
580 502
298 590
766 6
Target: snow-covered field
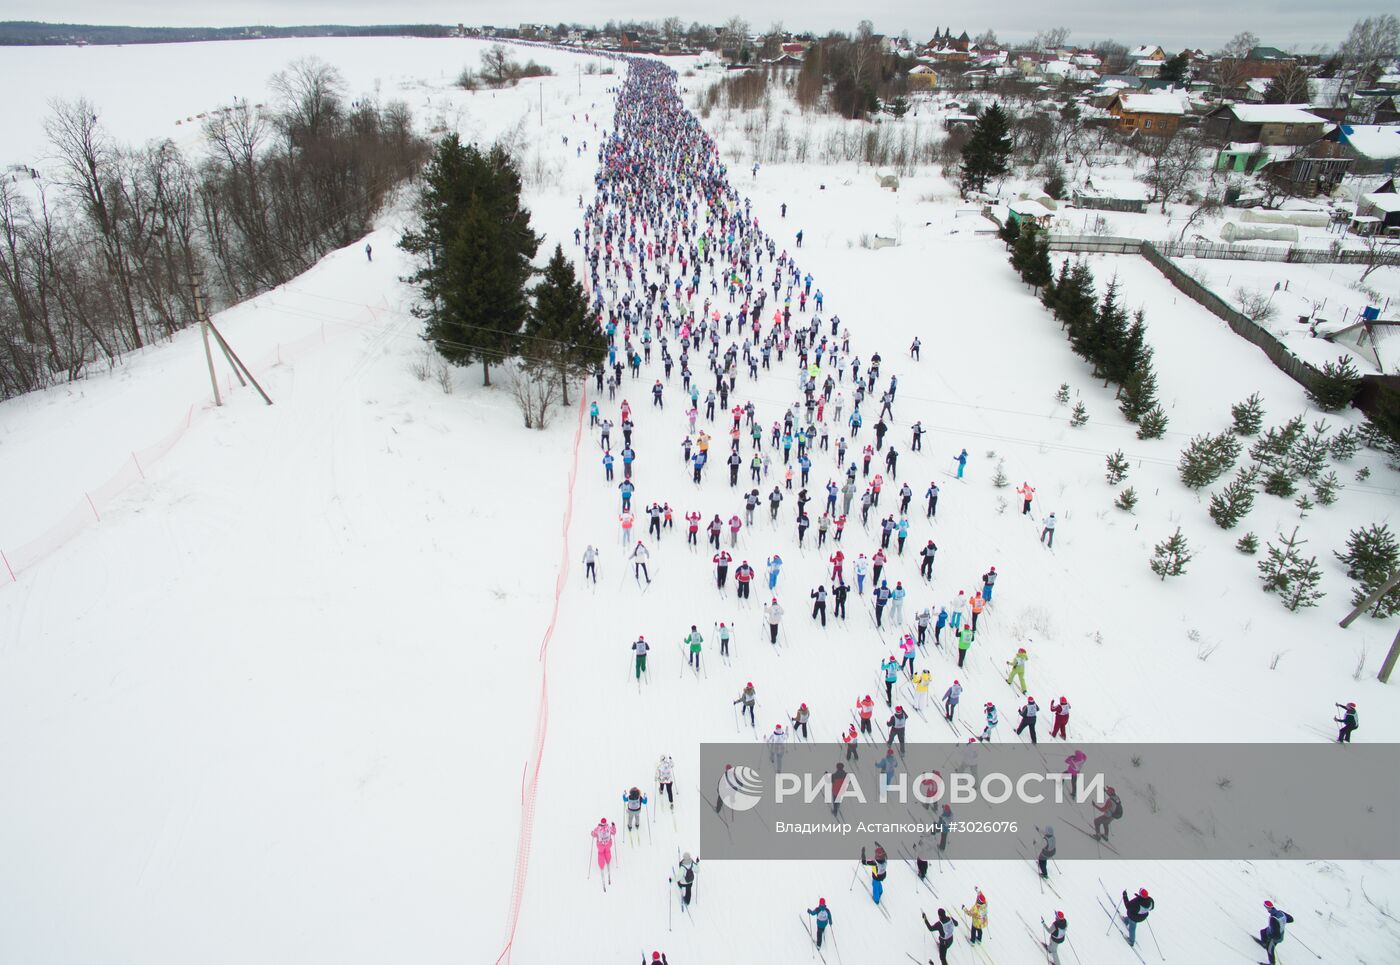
291 680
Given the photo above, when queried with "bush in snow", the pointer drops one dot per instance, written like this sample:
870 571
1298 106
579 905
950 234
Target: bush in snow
1117 467
1280 482
1248 415
1153 425
1206 458
1335 387
1079 416
1284 571
1126 500
1171 556
1372 557
1248 544
999 479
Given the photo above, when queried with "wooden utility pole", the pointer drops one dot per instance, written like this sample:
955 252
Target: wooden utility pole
1393 656
204 334
206 326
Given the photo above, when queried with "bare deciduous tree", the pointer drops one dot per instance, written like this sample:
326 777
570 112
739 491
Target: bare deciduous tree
1174 161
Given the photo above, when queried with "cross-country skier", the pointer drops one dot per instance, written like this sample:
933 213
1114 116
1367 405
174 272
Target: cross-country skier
603 835
666 779
747 699
932 496
685 876
1018 668
951 696
1047 535
694 642
882 597
800 719
944 930
879 867
961 460
1109 811
957 608
1060 710
851 739
639 556
891 672
743 576
990 713
906 650
1059 931
922 620
975 606
819 604
977 916
1029 711
722 559
839 593
777 746
862 567
1047 850
939 624
640 648
821 913
773 614
965 637
1349 722
896 724
989 580
1271 935
921 685
1138 907
590 563
1027 493
775 568
865 707
926 556
657 958
635 800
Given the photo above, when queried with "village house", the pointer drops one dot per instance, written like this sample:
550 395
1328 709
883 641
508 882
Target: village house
1264 124
1155 114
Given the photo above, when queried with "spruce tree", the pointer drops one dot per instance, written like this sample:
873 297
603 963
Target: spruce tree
1062 396
1079 415
1248 415
985 154
1039 272
1248 544
1117 467
1325 489
999 479
1138 394
1170 556
1206 458
1050 298
1153 425
1126 500
1335 386
1076 304
1284 571
563 331
1371 559
1234 502
1023 251
472 247
1129 354
1344 444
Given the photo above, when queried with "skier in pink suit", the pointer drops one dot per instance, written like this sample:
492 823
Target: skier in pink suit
603 836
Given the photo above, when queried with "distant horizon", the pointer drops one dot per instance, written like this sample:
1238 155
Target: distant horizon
1287 24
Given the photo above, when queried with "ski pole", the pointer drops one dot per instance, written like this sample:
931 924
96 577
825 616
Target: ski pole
1154 941
591 846
670 882
1303 945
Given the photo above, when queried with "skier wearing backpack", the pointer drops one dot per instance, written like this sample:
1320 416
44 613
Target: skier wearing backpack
823 916
1109 811
635 800
1349 722
1271 935
1137 907
666 779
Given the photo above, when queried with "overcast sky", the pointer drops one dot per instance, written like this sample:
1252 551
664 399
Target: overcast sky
1299 24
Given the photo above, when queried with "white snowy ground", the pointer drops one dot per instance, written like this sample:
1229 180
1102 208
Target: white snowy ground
290 680
1330 293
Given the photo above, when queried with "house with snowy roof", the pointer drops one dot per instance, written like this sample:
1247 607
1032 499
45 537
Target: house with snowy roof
1266 124
1154 114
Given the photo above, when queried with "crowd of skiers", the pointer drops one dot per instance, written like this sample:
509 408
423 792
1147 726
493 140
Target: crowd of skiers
687 285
